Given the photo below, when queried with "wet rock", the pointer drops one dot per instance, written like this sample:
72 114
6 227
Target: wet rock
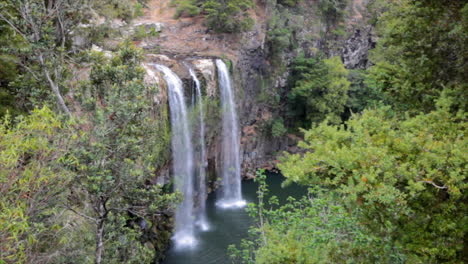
207 68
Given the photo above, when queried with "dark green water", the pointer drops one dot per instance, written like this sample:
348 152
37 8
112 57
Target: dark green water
227 226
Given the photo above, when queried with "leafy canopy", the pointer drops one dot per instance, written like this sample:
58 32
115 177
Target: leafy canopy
32 175
319 89
421 52
314 229
406 175
116 157
226 16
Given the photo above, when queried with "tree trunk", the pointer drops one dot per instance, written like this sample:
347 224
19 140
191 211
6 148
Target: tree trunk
99 241
54 87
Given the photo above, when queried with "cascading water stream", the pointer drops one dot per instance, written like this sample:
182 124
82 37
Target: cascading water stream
182 154
202 221
231 178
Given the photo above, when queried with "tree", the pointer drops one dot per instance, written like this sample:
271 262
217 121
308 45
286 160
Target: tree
8 71
421 52
333 10
406 177
44 28
361 95
116 157
32 175
224 16
314 229
228 15
319 89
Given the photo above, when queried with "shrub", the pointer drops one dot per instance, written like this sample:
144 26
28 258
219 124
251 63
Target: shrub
406 177
277 128
228 16
319 89
186 8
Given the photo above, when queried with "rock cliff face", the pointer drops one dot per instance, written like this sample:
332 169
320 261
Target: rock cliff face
255 69
356 48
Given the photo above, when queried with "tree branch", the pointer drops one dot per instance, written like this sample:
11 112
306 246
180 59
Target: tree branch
435 185
82 215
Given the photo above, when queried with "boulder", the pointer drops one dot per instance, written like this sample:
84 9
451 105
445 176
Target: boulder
208 70
150 26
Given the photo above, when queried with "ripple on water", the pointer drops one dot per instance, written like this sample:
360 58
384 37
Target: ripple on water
184 241
203 225
231 204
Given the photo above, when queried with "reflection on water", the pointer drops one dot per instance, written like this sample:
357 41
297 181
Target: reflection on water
227 226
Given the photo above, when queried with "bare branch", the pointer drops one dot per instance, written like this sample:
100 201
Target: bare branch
81 214
13 27
435 185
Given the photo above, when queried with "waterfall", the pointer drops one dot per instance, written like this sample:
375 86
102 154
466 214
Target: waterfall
202 221
182 154
231 178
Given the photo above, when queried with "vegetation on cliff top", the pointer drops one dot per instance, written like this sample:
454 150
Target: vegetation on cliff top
229 16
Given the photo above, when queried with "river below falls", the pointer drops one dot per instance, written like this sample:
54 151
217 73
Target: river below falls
228 226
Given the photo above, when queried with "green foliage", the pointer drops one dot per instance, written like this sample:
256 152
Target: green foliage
125 10
223 16
361 95
40 46
279 39
314 229
8 73
290 3
7 104
405 177
142 32
421 51
32 175
277 128
65 187
319 89
187 8
282 23
116 157
333 10
228 15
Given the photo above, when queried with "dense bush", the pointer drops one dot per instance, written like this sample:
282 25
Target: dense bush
315 229
32 176
421 52
290 3
333 10
319 89
360 94
228 16
405 176
186 8
122 9
127 140
68 187
277 128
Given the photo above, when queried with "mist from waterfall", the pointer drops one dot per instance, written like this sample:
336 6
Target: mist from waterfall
201 221
231 178
183 165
